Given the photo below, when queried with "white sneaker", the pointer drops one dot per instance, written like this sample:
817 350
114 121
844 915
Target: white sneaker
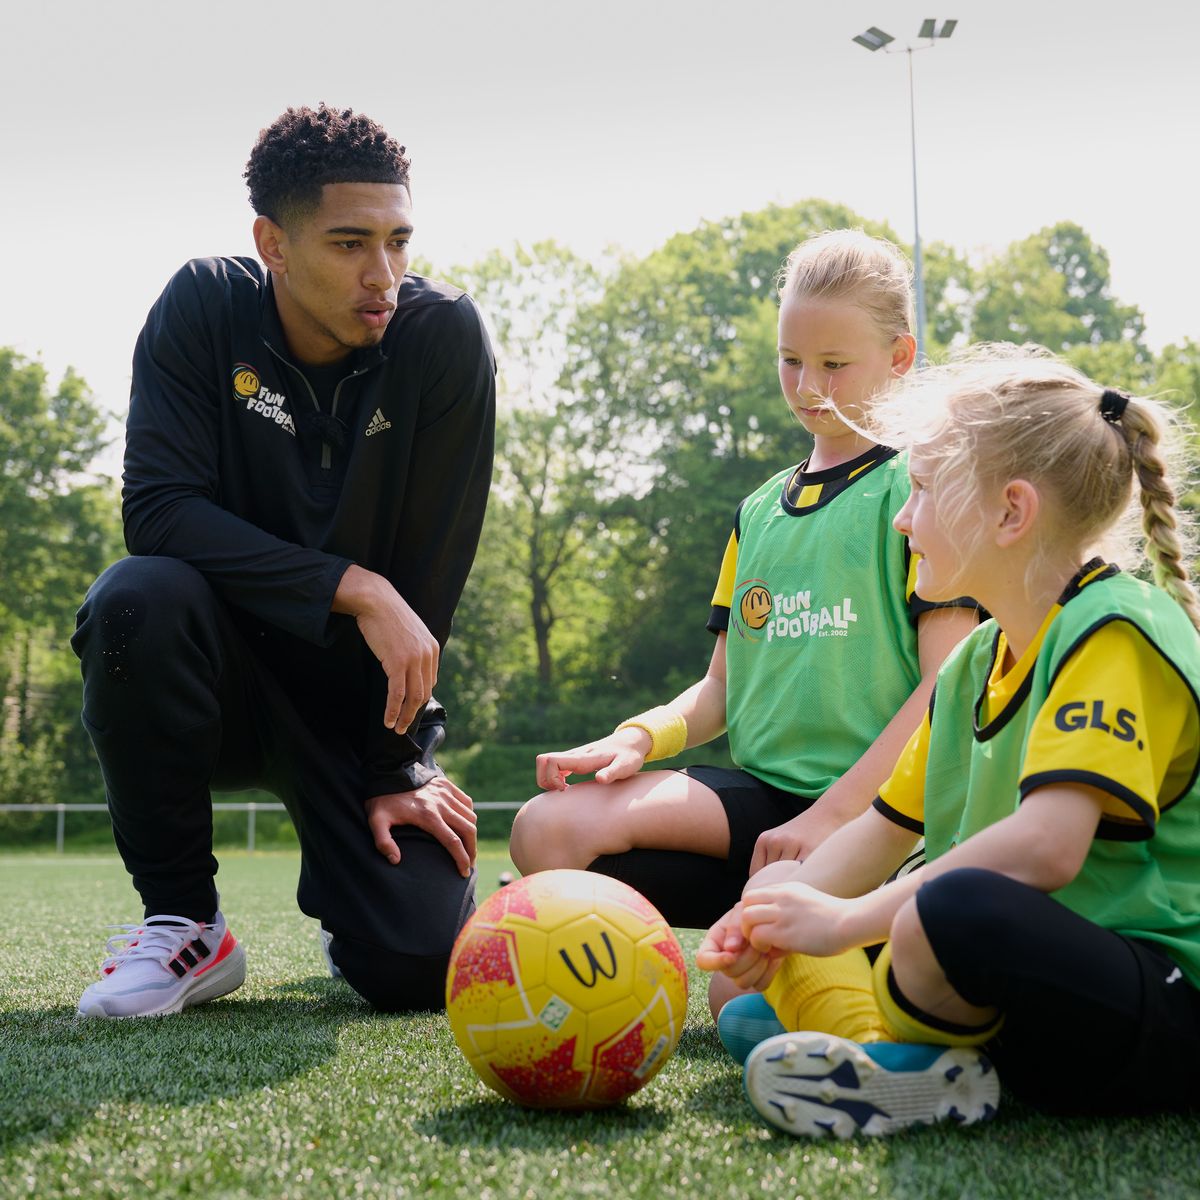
335 972
164 965
818 1084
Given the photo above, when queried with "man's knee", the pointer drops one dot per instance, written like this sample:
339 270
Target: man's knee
390 981
133 609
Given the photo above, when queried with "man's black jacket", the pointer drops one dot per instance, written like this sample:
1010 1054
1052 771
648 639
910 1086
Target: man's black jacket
231 466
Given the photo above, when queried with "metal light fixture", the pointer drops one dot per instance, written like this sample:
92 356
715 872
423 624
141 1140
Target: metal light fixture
874 39
929 29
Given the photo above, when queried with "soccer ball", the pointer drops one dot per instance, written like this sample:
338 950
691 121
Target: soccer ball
566 989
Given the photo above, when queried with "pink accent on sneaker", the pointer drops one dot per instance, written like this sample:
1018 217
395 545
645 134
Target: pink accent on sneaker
224 950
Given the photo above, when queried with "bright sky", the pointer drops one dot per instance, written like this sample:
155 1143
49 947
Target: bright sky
595 124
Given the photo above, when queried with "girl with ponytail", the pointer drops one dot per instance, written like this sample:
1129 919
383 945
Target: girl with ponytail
1056 923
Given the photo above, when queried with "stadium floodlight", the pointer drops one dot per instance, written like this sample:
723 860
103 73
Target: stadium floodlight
929 29
875 39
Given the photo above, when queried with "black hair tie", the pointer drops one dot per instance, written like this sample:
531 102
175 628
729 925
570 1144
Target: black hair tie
1112 405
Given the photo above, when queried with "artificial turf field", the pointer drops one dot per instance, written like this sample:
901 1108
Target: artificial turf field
293 1088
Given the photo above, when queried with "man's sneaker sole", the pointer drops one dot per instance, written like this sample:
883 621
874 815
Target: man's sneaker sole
819 1085
335 972
219 980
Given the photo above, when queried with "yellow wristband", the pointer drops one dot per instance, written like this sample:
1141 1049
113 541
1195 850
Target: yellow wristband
667 729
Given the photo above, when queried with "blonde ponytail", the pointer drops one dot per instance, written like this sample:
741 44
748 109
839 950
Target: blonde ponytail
1001 412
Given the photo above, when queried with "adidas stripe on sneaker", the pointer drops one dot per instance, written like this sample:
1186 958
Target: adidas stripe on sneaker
163 966
817 1084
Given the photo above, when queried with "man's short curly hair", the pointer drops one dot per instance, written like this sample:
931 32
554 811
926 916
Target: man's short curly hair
306 148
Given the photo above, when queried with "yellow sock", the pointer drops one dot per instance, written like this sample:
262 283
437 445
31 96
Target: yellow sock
828 995
906 1023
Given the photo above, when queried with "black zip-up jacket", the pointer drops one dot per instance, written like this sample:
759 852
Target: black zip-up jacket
231 467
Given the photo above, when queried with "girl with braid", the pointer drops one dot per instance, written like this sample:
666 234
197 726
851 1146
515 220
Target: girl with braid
1056 921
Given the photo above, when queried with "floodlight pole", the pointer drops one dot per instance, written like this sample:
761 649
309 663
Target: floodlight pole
918 269
876 39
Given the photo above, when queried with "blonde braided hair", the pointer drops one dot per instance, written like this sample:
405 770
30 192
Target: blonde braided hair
1142 430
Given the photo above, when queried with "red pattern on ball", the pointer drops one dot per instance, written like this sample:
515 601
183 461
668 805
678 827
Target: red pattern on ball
669 949
615 1078
483 959
514 899
546 1081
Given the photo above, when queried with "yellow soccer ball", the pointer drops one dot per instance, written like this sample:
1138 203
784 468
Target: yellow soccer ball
566 990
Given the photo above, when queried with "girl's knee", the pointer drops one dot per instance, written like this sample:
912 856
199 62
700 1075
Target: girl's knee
907 932
565 829
539 831
966 909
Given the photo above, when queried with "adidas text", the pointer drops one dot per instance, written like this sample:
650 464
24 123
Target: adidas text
378 423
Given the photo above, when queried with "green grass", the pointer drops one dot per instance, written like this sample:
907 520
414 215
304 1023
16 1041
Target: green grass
292 1088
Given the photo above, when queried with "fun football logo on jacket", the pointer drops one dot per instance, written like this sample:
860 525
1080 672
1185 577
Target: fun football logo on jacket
759 614
249 390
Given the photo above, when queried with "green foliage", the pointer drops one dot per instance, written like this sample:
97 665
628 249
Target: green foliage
949 291
1053 288
1177 373
490 648
53 535
553 459
58 528
1122 365
29 774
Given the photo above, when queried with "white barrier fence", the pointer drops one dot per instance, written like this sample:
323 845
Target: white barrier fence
250 807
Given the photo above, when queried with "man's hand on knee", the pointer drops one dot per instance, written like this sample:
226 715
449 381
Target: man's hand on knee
440 808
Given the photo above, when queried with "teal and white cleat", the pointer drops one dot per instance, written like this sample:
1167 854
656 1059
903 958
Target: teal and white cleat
816 1084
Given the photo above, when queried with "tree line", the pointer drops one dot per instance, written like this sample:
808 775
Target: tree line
639 404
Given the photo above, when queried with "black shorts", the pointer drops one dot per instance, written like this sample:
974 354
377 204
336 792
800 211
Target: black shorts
751 808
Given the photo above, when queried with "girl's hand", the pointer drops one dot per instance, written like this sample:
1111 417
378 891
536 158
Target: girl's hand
791 918
617 756
796 839
724 948
721 945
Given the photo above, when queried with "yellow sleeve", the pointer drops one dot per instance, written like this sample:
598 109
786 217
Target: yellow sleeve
723 595
1120 718
902 797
